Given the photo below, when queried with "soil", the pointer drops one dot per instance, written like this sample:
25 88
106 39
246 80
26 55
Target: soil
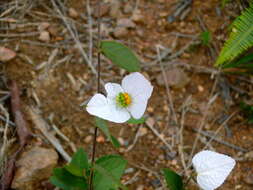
59 97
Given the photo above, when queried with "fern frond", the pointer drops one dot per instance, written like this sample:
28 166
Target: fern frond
240 39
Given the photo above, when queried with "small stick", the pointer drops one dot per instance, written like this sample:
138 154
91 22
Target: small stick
171 104
159 136
207 134
135 140
42 125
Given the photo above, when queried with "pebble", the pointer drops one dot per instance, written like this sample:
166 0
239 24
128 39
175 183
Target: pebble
34 166
125 22
249 156
129 170
88 139
73 13
128 8
156 183
150 121
100 139
200 88
115 9
6 54
138 17
53 30
104 10
143 131
44 36
249 178
176 78
120 32
43 26
140 187
170 155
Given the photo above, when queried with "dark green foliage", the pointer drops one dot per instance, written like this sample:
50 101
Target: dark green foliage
120 55
66 181
75 175
173 180
136 121
240 39
206 38
248 110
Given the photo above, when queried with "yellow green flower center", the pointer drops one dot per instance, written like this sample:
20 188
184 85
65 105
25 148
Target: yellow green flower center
123 99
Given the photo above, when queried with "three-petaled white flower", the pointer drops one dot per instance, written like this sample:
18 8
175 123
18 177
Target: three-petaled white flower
212 168
122 101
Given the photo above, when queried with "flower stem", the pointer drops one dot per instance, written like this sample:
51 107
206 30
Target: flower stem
98 90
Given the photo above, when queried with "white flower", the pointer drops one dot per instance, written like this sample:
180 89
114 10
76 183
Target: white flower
122 101
212 168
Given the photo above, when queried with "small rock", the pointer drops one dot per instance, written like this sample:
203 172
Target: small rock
43 26
249 156
120 32
156 183
34 166
150 121
115 9
170 155
104 10
73 13
140 187
176 78
143 131
129 170
44 36
6 54
138 17
248 178
200 88
128 8
124 22
88 139
140 32
150 109
53 30
100 139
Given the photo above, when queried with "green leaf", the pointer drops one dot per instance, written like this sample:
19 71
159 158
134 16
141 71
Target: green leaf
108 171
79 163
101 124
242 62
174 181
206 37
240 39
248 111
136 121
120 55
66 181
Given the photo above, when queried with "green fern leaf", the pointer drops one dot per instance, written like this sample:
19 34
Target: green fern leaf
240 39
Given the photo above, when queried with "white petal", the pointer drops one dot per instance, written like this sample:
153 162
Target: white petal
138 108
113 89
137 86
106 109
212 168
119 115
98 106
